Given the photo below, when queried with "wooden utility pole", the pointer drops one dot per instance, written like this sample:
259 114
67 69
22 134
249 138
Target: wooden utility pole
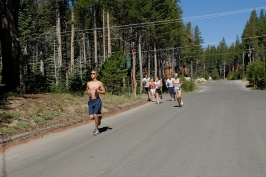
109 34
103 37
191 68
140 66
172 62
134 84
243 57
250 51
149 64
224 69
155 62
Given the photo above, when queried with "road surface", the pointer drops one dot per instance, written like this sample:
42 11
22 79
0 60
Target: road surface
219 132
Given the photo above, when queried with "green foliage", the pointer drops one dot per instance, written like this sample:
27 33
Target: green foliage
256 74
187 86
75 84
36 83
22 125
215 75
233 75
6 130
114 70
205 75
27 25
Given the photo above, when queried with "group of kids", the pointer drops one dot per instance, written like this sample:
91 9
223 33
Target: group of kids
154 87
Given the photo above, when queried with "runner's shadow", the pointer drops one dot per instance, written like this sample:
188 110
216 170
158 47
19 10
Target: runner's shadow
104 129
177 106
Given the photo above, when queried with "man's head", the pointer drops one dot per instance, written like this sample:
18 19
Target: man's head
94 74
146 76
169 76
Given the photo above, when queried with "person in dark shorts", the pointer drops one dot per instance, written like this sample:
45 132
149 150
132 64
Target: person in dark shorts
94 88
169 85
146 83
158 89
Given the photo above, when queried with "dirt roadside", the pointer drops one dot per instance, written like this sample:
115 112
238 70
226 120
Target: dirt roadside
25 137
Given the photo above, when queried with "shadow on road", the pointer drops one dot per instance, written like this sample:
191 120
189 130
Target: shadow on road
104 129
4 173
177 106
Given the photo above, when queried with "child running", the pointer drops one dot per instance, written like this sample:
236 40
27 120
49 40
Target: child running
152 89
158 91
177 85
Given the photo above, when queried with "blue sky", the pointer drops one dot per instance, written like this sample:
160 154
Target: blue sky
213 29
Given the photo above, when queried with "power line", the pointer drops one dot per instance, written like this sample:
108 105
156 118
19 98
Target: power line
162 22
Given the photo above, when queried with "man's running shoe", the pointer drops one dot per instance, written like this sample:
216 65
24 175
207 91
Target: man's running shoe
96 132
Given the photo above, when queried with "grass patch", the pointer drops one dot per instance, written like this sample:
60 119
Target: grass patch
22 125
16 115
40 121
7 131
48 116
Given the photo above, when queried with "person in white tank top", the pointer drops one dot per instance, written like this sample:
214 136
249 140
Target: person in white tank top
152 89
146 82
177 83
158 91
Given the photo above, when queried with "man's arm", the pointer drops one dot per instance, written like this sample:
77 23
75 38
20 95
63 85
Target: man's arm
101 89
88 89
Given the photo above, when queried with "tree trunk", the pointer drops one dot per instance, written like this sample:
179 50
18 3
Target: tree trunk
9 44
72 47
155 62
84 48
59 38
95 38
109 35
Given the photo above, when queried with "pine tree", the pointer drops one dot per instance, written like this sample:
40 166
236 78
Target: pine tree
113 72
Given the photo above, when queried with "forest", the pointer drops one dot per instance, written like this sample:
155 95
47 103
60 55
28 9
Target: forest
52 45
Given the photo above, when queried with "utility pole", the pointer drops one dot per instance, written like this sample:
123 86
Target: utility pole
108 35
224 69
191 68
103 37
134 85
140 65
250 50
243 57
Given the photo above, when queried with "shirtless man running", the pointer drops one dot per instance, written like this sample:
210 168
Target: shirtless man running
94 88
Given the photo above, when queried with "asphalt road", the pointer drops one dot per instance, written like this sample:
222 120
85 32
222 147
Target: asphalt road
219 132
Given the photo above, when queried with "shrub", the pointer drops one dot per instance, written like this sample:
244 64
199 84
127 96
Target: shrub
114 70
233 75
215 75
187 86
256 74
